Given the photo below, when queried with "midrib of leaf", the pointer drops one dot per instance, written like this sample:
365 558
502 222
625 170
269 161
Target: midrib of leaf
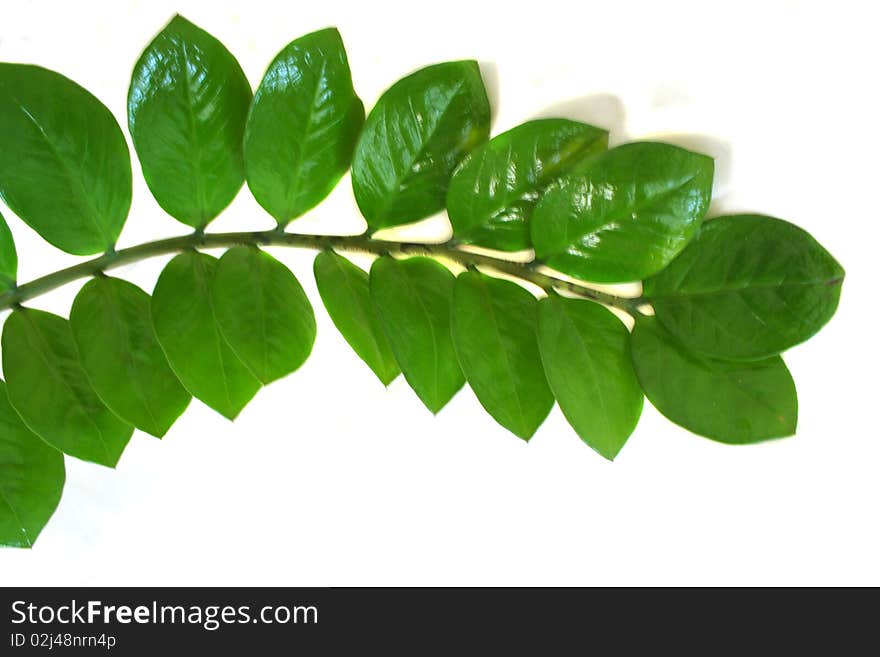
745 287
59 377
15 515
83 200
435 351
505 357
194 137
401 180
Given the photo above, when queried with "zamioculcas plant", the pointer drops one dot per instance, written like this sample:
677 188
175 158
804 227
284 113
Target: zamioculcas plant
722 299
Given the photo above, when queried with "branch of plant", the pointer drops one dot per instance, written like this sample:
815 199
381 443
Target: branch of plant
358 243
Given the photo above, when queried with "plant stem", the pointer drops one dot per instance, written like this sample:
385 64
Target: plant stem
359 243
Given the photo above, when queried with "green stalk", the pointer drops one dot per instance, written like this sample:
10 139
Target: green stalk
360 243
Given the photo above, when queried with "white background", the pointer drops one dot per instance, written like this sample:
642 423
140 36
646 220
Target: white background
329 479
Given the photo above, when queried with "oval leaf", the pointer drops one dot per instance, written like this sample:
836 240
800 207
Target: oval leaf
303 126
64 165
51 392
747 287
262 312
585 350
183 318
627 216
493 327
8 258
728 401
31 479
345 291
493 193
187 106
414 300
114 334
416 135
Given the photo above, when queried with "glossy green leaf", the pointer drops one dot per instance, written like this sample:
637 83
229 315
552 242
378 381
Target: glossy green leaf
118 349
262 312
747 287
585 351
51 392
494 191
64 165
627 216
8 258
31 479
303 125
494 326
345 291
414 300
187 106
186 327
729 401
416 135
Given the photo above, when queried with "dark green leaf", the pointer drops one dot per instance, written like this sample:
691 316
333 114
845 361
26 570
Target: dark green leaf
263 312
414 300
493 193
31 479
345 291
186 327
64 165
585 350
187 106
747 287
416 135
729 401
8 258
493 327
51 392
627 216
303 126
118 349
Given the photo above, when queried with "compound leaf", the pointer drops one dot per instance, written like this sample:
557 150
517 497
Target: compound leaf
64 164
186 326
118 349
585 350
345 291
263 312
747 287
51 392
493 328
414 300
187 106
626 216
31 479
494 191
735 402
302 126
418 132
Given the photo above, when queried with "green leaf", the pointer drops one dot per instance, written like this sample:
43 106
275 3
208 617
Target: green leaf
494 191
627 216
8 258
493 328
345 291
118 349
186 327
728 401
747 287
51 391
187 106
416 135
414 300
302 127
64 165
262 312
31 479
585 350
